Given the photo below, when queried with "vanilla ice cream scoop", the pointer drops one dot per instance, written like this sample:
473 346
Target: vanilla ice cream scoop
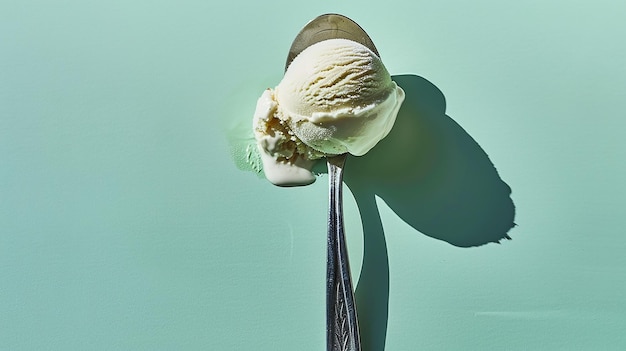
336 97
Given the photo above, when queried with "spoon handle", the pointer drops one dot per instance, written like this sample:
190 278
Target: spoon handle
342 330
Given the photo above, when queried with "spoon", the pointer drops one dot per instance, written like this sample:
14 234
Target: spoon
342 330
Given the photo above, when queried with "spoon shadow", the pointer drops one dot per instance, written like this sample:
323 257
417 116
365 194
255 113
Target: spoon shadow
372 290
437 179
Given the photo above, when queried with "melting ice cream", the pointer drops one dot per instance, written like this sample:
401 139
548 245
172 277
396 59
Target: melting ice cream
336 97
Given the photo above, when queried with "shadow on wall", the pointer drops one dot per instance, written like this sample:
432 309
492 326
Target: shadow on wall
435 177
438 180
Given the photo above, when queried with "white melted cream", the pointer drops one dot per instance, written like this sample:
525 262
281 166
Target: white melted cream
284 173
282 164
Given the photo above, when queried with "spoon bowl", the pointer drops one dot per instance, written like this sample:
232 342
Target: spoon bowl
328 26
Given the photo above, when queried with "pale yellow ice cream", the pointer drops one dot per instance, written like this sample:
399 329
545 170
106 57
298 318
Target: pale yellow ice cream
336 97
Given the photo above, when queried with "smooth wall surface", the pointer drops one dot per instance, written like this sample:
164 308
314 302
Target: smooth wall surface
125 223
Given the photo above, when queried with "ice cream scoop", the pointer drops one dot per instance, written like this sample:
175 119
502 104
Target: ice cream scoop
336 97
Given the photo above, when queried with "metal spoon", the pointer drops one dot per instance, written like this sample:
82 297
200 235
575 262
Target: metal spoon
342 327
342 330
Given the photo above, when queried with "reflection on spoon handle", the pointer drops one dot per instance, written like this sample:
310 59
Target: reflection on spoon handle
342 330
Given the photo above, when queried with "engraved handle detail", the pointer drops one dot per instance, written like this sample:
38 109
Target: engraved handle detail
342 330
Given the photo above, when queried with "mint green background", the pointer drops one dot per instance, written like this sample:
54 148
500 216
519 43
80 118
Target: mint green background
125 224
